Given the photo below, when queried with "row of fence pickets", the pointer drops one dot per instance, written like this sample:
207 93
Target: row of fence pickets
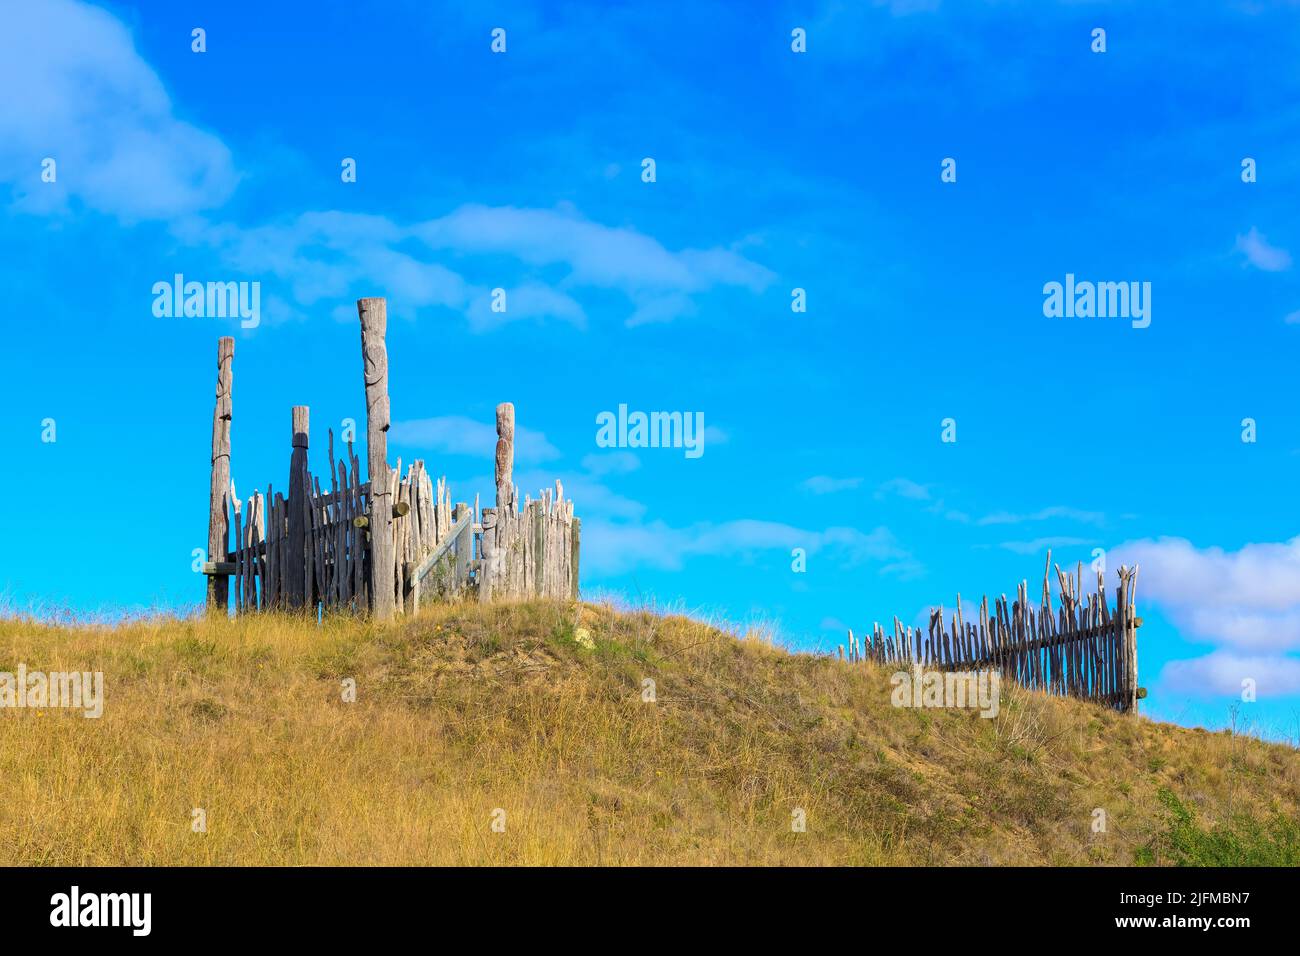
535 550
336 575
1082 649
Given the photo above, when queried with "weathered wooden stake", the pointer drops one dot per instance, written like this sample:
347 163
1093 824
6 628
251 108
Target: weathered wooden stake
573 566
218 512
296 576
374 355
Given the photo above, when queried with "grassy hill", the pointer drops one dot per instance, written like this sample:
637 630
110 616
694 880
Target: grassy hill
466 711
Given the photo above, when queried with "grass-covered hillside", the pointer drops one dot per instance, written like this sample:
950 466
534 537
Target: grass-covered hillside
532 716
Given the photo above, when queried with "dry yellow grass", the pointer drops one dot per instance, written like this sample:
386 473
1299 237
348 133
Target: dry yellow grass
467 710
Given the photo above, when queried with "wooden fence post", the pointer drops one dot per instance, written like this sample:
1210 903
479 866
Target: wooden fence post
218 512
374 354
296 582
461 549
573 564
1128 634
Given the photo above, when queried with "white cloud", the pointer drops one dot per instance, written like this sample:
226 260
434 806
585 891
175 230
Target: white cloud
458 435
825 485
1244 600
77 91
1260 254
611 548
1059 513
1221 673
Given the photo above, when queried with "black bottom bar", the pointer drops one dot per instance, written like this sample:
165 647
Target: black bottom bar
335 906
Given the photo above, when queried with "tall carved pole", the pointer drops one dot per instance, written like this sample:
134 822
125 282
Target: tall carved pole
218 512
374 355
505 457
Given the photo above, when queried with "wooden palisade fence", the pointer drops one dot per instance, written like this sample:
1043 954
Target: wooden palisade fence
1082 649
378 545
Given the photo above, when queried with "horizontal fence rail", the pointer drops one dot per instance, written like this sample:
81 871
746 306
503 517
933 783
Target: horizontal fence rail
1083 648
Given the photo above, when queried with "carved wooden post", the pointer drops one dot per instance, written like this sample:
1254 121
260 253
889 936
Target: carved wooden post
488 561
296 577
374 355
505 456
218 512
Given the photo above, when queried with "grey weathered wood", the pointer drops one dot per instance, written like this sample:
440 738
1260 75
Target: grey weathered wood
297 580
400 528
282 551
538 531
218 589
259 537
316 590
273 544
464 544
373 313
444 549
573 559
239 552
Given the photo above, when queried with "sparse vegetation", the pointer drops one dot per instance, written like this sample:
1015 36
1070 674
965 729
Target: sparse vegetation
467 709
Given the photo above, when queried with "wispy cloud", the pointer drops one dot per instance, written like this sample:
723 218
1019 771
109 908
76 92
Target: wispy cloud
1057 513
611 548
80 94
1260 254
611 463
904 488
612 257
825 485
1039 545
458 435
331 255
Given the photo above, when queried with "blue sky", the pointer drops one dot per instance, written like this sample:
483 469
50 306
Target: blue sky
774 170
